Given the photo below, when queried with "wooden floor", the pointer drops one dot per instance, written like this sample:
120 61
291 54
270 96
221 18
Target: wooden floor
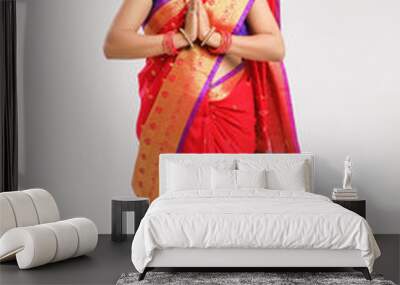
110 260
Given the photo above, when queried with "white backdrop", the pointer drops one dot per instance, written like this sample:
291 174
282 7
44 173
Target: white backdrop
78 110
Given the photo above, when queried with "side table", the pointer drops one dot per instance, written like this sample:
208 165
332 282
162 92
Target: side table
357 206
121 205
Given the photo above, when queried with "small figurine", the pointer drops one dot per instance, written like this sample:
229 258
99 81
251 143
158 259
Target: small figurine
347 174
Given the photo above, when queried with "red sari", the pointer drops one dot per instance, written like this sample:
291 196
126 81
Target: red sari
225 125
186 109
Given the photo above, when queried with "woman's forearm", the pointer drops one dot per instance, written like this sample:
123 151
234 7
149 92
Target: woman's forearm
126 44
261 47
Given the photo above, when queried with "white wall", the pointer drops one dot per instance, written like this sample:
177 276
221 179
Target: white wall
343 59
79 115
78 111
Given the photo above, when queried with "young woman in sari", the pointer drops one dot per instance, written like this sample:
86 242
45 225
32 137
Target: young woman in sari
213 80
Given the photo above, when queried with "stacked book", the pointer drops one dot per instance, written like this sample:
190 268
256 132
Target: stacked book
344 194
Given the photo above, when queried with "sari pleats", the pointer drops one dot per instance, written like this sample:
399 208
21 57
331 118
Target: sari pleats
225 126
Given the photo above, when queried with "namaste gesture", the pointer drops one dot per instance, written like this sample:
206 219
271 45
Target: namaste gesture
197 25
263 43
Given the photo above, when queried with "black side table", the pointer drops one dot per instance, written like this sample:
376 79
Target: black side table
357 206
121 205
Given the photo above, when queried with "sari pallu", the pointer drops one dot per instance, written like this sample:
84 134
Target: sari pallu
173 88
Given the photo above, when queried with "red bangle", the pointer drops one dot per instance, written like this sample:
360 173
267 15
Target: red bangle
226 42
168 43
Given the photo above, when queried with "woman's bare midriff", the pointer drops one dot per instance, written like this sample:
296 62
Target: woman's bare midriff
228 63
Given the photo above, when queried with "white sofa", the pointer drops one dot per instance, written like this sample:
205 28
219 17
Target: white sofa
31 231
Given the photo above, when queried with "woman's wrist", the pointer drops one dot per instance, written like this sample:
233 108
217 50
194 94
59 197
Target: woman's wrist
180 41
225 41
215 40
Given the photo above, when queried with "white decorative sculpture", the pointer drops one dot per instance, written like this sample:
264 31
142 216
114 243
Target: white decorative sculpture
347 174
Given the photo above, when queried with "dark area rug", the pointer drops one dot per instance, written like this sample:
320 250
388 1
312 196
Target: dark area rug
269 278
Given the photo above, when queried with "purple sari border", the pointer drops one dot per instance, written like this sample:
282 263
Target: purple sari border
154 9
290 105
231 73
203 92
278 12
211 76
243 17
159 3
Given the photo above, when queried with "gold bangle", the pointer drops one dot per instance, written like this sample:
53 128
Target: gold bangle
208 36
182 31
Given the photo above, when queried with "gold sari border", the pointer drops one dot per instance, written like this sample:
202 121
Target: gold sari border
163 15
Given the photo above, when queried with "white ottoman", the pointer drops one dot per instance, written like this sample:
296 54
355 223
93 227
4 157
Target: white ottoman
32 233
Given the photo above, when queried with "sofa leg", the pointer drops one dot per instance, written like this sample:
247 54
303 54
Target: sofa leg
143 274
365 272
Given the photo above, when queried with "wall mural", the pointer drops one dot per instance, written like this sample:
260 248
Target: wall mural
213 82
